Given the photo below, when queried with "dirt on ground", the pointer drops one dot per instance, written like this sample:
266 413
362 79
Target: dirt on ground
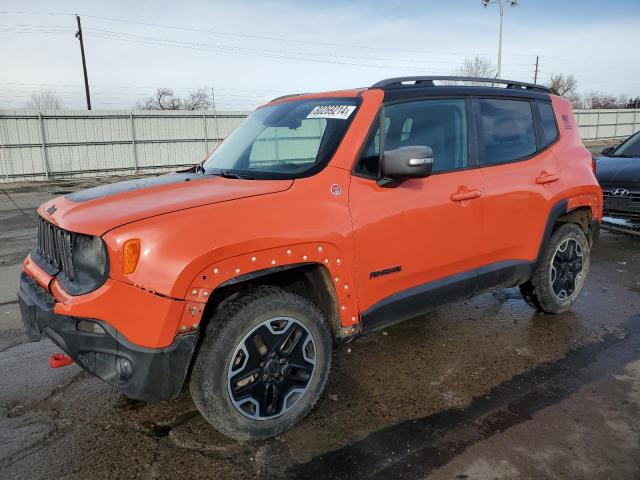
480 389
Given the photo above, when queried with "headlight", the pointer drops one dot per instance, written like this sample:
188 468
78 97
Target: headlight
90 265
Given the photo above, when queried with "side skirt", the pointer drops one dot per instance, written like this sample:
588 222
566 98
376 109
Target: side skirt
419 300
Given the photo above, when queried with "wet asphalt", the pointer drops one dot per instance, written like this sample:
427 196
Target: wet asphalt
479 389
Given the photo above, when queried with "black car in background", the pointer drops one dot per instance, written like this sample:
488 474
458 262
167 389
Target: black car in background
618 172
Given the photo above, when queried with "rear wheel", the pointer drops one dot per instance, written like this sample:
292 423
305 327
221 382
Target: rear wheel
263 363
561 273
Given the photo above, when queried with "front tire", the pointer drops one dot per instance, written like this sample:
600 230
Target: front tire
263 363
561 273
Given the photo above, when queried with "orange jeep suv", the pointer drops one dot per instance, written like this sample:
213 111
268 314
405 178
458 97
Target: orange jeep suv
322 216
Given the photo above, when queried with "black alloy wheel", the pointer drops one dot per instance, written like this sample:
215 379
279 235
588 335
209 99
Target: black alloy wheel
566 268
271 368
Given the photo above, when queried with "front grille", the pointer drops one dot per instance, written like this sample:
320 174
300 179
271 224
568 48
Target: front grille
633 197
55 247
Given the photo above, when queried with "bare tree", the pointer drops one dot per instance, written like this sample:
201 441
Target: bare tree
564 85
198 100
476 67
166 99
623 101
602 100
45 100
633 103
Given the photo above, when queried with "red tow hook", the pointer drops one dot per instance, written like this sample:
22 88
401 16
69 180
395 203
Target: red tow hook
59 360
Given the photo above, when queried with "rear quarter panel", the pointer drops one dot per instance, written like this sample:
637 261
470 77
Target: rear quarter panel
578 183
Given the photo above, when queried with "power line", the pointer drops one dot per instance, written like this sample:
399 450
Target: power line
29 28
98 86
270 38
290 40
316 57
253 36
245 52
333 54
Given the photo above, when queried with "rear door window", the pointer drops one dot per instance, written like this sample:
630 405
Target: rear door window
548 123
506 130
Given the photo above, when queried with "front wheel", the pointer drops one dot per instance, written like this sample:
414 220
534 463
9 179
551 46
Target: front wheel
263 363
561 273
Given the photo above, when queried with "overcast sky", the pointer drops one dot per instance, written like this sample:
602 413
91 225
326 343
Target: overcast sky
253 51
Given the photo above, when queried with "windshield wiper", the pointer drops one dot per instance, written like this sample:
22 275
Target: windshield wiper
228 174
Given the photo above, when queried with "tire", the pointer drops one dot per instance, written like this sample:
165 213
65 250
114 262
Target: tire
561 273
245 342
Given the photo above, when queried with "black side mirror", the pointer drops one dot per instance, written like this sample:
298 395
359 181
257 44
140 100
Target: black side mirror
405 162
607 150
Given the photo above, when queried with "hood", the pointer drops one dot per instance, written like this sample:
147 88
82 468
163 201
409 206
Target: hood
96 210
618 170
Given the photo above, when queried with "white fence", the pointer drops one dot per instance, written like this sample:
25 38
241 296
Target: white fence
62 144
605 123
87 143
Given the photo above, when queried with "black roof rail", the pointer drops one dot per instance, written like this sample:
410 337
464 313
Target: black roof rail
428 82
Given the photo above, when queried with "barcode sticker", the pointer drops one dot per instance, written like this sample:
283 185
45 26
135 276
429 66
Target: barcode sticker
340 112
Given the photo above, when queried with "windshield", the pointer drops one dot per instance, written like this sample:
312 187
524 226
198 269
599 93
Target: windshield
630 148
286 140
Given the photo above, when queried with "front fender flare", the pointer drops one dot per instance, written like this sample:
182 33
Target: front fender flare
256 264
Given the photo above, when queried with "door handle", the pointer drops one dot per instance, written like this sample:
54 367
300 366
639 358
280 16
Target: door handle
547 178
468 195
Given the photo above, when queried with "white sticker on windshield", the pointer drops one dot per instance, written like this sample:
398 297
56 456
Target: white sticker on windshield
340 112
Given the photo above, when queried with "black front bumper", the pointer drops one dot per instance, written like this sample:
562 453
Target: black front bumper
143 373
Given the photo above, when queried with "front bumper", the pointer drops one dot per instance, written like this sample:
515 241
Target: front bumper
151 374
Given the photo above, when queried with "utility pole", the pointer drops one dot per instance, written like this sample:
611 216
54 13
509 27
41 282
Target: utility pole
512 3
215 118
84 63
535 75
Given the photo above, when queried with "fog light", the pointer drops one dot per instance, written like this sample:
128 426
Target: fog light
124 368
90 327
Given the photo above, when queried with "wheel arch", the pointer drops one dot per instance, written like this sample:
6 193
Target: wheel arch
579 210
310 280
581 216
318 271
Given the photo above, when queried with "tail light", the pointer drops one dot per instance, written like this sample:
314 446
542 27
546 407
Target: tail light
594 165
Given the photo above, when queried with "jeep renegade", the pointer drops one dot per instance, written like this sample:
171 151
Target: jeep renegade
322 216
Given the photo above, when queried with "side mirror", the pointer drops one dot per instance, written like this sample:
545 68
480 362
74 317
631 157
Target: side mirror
607 151
405 162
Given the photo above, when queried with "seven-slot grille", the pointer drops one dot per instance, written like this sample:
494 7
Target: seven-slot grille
55 247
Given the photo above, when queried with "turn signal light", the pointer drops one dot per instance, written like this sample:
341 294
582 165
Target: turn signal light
131 251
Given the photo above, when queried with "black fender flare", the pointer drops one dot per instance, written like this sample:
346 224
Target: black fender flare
556 212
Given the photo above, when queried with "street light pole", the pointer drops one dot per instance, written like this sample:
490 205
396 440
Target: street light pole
512 3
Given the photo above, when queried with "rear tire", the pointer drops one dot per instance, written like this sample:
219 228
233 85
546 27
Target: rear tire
263 363
561 272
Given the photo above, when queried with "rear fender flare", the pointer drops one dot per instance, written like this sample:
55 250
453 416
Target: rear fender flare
562 208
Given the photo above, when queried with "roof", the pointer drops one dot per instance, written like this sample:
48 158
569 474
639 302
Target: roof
428 81
425 85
